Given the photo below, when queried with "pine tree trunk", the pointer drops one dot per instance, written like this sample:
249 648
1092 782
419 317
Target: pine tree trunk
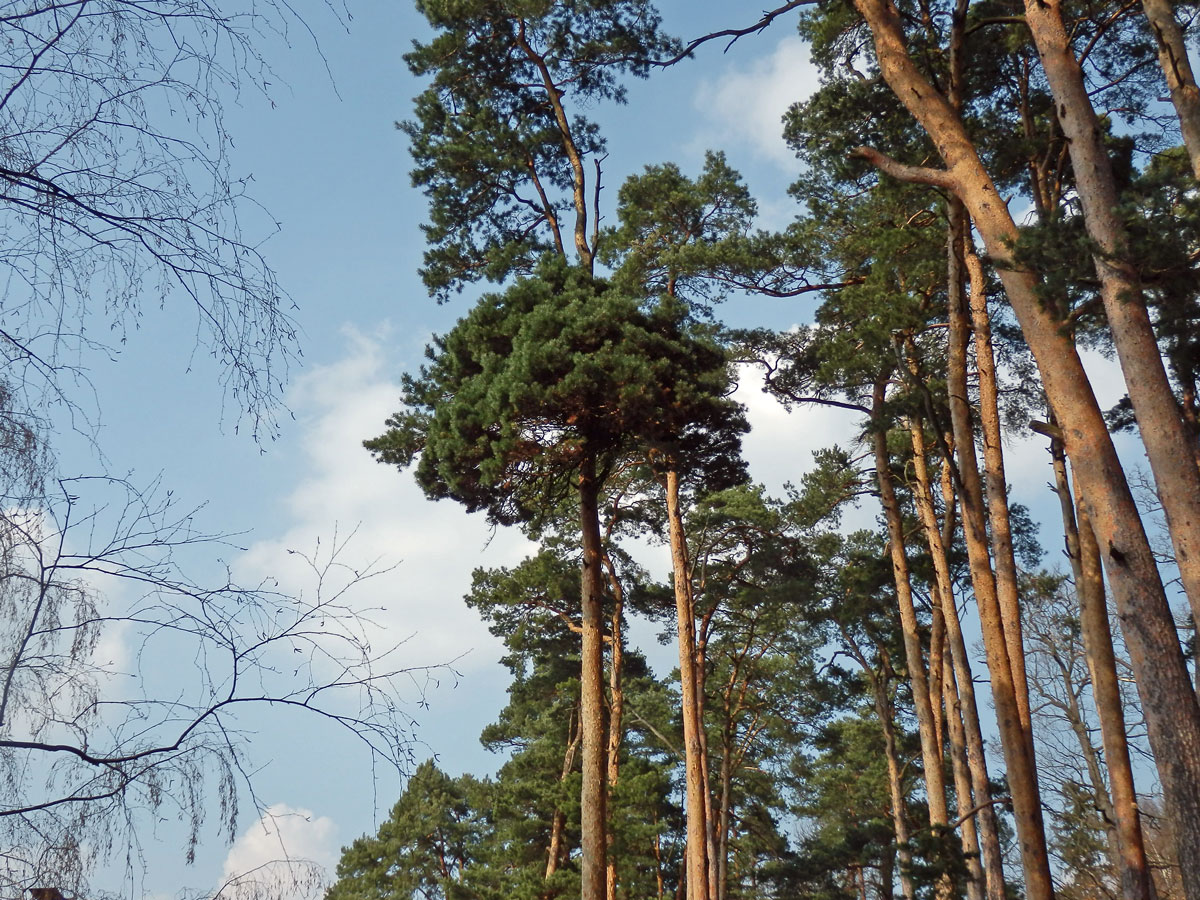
895 789
931 753
616 711
1177 69
1172 715
558 821
710 814
1160 422
1084 553
885 711
592 801
944 593
722 859
694 786
962 786
997 486
1015 737
964 686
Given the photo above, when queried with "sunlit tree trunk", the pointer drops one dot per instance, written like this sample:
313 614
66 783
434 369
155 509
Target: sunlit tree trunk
1160 422
931 754
968 833
1014 736
593 799
1084 553
616 710
1172 716
1177 69
695 786
997 487
964 686
944 596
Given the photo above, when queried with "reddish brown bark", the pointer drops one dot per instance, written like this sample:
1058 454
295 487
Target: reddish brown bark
931 753
1160 422
593 795
997 486
968 834
1084 553
1177 69
695 786
964 685
1173 718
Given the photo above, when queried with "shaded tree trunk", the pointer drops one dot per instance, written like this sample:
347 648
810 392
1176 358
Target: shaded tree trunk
558 821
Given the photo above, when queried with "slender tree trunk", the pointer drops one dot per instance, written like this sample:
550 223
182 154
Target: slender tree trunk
931 754
944 591
616 710
710 814
1172 715
1084 553
964 686
883 708
937 654
593 818
694 786
558 821
722 864
962 787
1014 736
1177 69
1154 403
997 485
658 865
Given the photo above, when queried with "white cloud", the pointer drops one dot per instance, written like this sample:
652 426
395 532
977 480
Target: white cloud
288 852
433 546
745 106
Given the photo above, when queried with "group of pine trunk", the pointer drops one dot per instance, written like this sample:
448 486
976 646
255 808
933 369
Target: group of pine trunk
1106 539
1103 529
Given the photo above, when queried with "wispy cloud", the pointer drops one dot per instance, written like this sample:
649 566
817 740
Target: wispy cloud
288 852
429 549
743 106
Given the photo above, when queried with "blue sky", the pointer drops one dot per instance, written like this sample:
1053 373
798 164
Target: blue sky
329 166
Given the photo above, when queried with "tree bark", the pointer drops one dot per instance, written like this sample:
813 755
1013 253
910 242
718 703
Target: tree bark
616 710
997 485
593 800
1177 69
964 686
558 821
931 754
944 591
969 835
1172 715
885 710
1015 737
694 786
1084 553
1159 418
